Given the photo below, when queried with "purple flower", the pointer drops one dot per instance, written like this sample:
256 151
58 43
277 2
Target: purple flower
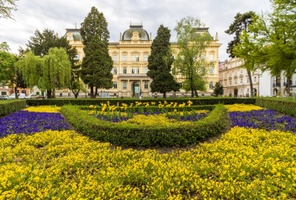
265 119
30 122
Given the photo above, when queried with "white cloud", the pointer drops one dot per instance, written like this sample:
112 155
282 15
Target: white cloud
58 15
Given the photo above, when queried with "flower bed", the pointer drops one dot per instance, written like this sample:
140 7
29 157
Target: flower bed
161 132
25 121
242 164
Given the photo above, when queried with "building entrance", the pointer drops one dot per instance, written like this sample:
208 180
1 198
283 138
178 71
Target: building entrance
136 89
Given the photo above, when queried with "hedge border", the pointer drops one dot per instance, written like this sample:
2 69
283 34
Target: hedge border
130 135
8 107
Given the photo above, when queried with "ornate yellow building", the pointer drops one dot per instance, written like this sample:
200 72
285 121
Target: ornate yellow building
130 58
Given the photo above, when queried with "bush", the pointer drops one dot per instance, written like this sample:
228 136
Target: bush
8 107
285 106
147 136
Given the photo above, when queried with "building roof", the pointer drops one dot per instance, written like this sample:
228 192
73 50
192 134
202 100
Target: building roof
128 34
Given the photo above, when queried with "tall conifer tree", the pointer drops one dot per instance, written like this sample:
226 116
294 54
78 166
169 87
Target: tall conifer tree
97 63
160 63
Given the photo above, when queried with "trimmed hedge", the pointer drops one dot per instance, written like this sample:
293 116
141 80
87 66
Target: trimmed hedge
139 136
114 101
285 106
8 107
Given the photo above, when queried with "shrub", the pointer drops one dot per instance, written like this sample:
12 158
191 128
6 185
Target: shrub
160 135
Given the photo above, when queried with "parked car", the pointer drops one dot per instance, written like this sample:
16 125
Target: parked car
34 96
20 96
3 97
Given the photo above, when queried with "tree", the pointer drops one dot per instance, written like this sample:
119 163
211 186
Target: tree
160 63
6 7
218 89
97 63
48 72
276 34
242 49
192 40
76 85
56 70
4 47
9 73
41 43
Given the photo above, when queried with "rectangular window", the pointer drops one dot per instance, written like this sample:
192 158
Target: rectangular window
124 70
211 57
211 70
124 57
133 58
124 85
145 70
211 85
146 85
133 70
145 58
115 85
137 70
137 58
114 70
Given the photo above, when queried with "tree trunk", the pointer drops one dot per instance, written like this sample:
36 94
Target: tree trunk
195 93
164 95
288 86
15 92
75 93
53 93
251 83
48 94
92 96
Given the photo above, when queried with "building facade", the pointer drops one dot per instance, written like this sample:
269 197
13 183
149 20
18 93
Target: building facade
235 81
130 62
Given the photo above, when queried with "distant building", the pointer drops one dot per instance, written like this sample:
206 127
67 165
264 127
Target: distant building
130 61
235 81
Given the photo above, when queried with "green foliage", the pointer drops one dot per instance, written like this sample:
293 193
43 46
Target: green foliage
8 107
160 63
135 135
48 72
243 46
97 63
218 89
9 72
7 69
56 69
30 67
192 41
6 7
240 24
285 106
41 42
4 47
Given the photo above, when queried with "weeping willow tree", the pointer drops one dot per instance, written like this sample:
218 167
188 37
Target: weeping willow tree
49 72
30 67
56 71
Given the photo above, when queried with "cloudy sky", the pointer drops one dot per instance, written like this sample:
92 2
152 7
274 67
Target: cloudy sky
57 15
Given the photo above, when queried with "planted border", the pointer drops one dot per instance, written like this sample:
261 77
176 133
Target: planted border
8 107
144 136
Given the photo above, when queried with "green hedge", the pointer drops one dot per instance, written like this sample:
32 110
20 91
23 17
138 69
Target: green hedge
114 101
139 136
8 107
282 105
